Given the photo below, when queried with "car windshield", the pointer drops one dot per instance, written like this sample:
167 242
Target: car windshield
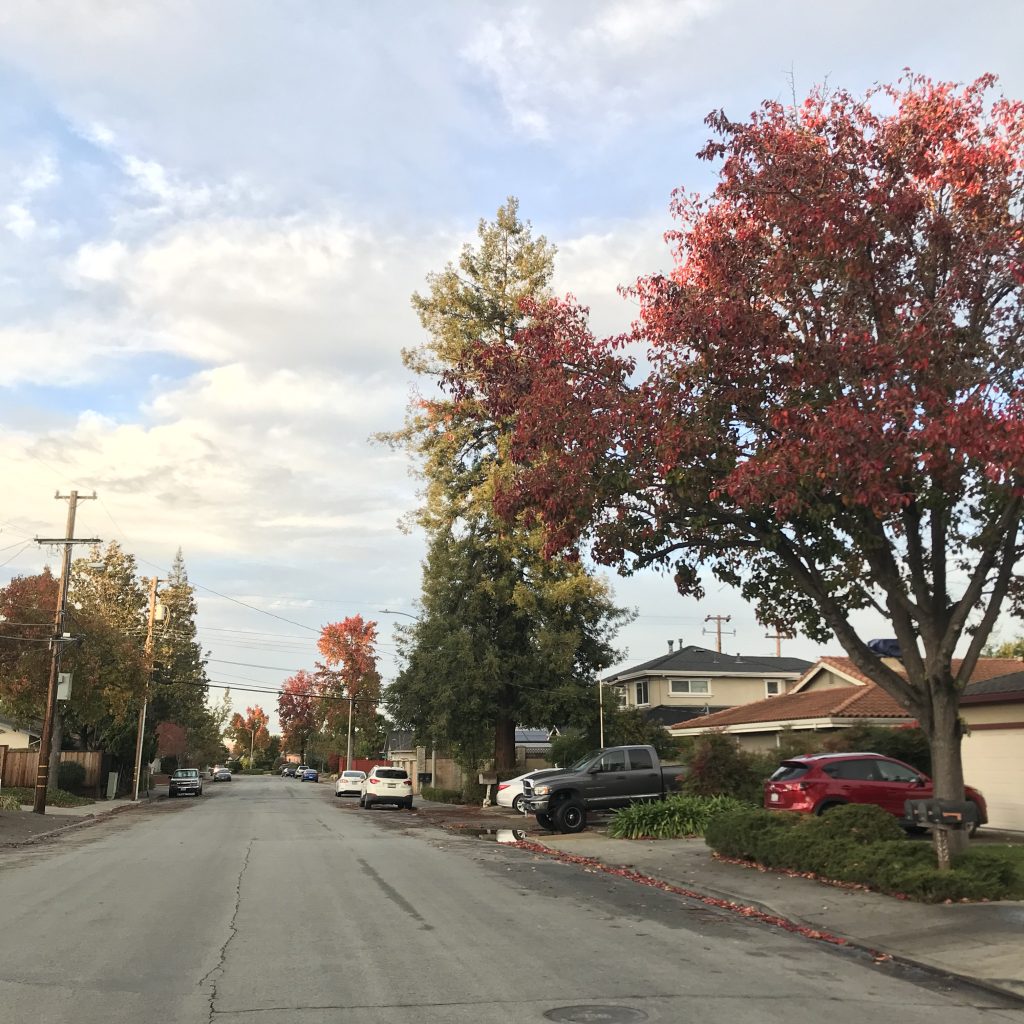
584 761
354 775
392 773
187 773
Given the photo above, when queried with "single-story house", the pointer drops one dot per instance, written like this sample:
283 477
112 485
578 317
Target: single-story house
23 736
693 681
835 695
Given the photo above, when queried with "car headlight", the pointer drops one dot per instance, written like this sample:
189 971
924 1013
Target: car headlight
541 790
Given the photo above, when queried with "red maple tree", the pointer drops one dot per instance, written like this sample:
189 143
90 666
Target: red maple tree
822 403
298 710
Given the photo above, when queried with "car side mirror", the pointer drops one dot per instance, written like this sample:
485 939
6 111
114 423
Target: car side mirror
594 769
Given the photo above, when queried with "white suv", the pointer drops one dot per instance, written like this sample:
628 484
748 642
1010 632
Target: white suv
386 785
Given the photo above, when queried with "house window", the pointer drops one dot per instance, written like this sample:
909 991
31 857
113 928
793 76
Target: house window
774 688
641 693
678 687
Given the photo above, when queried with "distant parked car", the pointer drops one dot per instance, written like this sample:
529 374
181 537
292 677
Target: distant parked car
817 783
349 784
185 781
310 775
300 770
510 793
288 771
221 775
386 785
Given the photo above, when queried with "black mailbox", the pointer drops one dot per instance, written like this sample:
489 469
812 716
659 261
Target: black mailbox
947 813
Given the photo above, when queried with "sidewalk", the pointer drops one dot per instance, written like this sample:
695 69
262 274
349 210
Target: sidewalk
979 942
20 827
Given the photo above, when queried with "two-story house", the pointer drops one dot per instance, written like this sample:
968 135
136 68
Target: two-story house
690 682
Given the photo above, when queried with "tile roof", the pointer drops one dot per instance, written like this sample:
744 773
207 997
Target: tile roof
839 702
701 659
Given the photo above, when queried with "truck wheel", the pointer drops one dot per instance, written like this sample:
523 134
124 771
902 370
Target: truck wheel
544 820
570 816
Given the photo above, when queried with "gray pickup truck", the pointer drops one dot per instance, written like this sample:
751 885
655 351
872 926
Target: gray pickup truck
603 780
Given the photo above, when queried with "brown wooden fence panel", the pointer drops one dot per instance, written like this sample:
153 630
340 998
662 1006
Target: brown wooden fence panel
19 767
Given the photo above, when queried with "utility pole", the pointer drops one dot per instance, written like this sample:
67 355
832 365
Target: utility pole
718 620
153 581
600 713
778 636
348 744
46 740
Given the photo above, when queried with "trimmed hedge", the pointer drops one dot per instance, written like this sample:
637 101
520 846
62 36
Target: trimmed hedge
70 776
861 844
442 796
676 816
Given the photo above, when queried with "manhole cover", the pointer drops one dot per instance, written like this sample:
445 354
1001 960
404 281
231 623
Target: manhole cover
590 1014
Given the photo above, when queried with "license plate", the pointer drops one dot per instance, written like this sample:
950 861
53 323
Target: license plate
774 797
391 785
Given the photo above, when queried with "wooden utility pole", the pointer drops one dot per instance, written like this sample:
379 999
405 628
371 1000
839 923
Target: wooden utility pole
718 620
153 581
348 744
46 740
778 637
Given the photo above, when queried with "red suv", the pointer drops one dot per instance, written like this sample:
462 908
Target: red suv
816 783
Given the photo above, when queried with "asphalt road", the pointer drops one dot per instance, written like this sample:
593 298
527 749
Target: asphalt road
267 901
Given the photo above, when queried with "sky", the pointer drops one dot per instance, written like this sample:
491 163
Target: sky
213 215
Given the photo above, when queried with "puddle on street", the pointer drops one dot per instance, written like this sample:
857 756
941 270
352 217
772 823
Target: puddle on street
496 835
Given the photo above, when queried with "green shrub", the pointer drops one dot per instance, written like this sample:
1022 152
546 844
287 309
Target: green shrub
70 776
9 802
741 833
905 744
442 796
863 845
718 767
676 816
861 823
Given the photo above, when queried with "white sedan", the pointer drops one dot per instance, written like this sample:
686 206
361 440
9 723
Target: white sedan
349 784
510 793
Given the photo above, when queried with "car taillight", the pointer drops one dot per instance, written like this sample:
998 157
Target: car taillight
373 782
502 785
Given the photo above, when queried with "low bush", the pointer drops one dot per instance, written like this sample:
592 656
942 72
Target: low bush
672 818
718 767
9 803
442 796
70 776
863 845
54 797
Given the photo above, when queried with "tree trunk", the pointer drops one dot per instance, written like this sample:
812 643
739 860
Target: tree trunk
941 723
504 744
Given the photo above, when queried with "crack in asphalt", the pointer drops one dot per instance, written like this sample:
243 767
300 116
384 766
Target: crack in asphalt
217 968
396 897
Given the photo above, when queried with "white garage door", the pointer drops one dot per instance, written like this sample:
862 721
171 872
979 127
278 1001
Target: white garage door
994 763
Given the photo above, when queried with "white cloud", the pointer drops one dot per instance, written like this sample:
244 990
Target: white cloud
558 71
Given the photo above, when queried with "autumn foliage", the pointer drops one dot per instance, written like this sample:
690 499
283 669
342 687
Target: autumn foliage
822 403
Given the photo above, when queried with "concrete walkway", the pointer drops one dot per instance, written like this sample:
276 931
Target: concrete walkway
980 942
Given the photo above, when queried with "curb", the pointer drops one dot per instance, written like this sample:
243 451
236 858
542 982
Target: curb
766 914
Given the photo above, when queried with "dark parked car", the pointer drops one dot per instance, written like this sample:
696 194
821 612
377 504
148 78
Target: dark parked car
185 782
288 771
222 775
613 777
816 783
310 775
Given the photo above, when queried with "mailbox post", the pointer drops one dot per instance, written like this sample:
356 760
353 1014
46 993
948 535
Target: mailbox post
942 817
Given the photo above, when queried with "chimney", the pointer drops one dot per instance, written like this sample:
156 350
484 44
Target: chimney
670 647
680 643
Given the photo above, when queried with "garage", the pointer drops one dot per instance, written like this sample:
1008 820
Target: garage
993 752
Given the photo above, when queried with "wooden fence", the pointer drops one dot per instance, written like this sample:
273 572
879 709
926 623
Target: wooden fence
18 767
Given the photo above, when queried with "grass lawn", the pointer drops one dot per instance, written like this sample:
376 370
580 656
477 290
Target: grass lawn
55 797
